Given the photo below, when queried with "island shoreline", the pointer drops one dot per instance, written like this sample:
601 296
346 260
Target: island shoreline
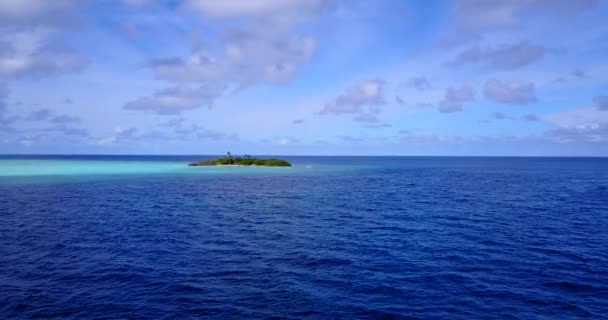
244 161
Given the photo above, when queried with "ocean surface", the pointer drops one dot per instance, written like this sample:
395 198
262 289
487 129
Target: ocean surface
146 237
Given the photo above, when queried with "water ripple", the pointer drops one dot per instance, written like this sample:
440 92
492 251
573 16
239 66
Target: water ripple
416 241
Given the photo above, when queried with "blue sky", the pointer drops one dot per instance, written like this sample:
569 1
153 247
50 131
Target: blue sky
310 77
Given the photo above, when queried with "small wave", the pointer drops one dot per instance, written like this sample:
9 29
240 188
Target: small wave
570 286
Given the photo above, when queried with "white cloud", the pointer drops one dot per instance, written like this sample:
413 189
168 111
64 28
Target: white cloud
407 136
30 45
420 83
30 53
378 126
585 124
137 3
3 96
176 99
34 12
357 98
578 117
455 98
363 100
39 115
286 10
369 117
259 54
590 133
501 116
509 92
183 131
119 134
5 122
261 48
64 118
601 102
510 56
531 117
475 18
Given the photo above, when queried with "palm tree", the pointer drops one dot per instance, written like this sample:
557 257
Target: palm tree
229 157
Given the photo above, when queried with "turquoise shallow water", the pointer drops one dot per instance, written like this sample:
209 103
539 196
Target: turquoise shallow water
116 166
17 170
12 168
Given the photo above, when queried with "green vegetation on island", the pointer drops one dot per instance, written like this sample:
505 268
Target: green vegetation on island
246 160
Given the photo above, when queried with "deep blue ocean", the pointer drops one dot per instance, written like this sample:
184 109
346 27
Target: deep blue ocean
143 237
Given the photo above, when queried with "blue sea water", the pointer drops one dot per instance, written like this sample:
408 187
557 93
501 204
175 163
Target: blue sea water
133 237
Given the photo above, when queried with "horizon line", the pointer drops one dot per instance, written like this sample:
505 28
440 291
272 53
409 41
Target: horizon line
306 155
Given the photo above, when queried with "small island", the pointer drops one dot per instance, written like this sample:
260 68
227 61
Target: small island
246 160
